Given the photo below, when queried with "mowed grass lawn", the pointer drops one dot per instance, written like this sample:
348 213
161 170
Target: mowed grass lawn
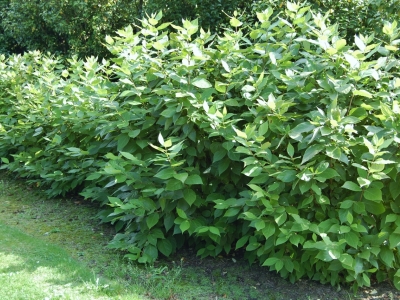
33 269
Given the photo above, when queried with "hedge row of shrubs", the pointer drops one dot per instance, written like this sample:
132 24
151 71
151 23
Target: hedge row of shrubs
283 142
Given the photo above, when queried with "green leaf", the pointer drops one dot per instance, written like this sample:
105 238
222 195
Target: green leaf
352 239
109 40
344 89
373 194
181 176
362 93
240 134
223 165
328 174
279 265
241 242
218 155
248 88
165 173
225 66
168 221
359 267
252 171
256 188
249 215
347 261
232 211
296 133
201 83
363 182
339 44
131 158
394 240
134 133
394 188
374 207
173 185
194 179
334 152
387 256
214 230
151 251
268 230
152 219
270 261
392 218
290 150
189 196
120 178
295 239
5 160
164 246
280 218
349 185
57 139
386 111
123 140
93 176
349 218
324 255
292 6
396 280
259 224
263 129
181 213
167 143
235 22
264 16
287 176
346 204
115 201
311 152
220 87
185 225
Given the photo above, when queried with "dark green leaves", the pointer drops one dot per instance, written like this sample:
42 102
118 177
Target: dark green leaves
193 179
164 246
152 220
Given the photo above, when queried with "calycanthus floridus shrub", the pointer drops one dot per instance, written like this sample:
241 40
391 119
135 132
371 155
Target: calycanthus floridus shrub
283 143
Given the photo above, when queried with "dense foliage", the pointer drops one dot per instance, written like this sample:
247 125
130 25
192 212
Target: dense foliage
79 26
283 143
63 26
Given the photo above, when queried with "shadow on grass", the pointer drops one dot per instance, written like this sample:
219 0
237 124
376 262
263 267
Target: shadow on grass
33 269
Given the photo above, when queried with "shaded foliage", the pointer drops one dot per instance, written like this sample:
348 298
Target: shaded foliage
79 26
64 27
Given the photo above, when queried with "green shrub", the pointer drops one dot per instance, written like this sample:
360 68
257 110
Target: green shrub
62 26
283 142
352 16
